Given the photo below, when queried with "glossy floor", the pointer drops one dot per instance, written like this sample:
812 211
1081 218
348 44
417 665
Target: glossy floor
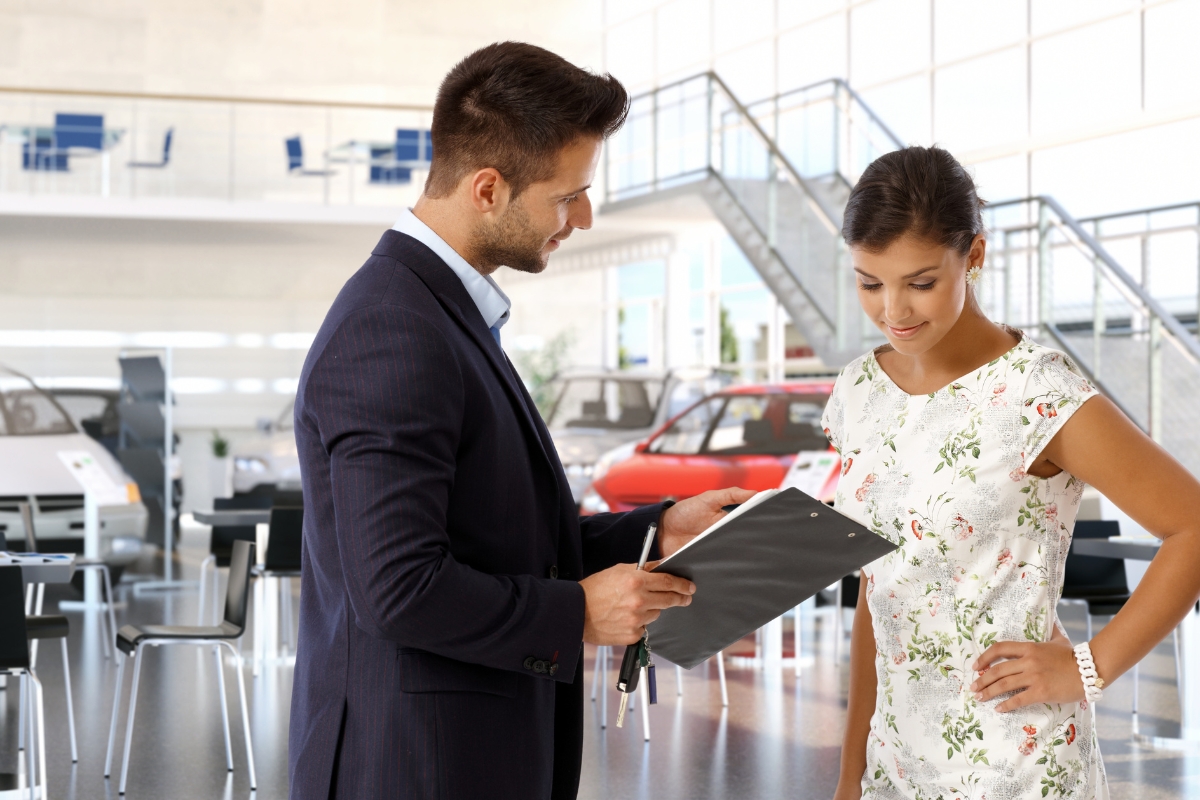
778 738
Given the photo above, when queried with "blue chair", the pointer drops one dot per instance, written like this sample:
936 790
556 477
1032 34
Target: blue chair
413 145
295 157
79 130
166 155
40 154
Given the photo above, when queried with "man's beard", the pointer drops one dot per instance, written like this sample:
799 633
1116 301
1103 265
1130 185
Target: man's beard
510 242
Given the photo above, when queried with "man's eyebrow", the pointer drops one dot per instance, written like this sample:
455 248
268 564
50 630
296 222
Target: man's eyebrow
577 191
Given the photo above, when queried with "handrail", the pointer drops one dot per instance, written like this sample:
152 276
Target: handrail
829 218
1180 335
840 82
1137 212
214 99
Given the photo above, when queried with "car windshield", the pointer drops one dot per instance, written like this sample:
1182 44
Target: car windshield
610 403
26 410
83 406
747 425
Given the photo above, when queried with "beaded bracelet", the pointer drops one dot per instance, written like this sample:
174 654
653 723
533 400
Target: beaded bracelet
1092 682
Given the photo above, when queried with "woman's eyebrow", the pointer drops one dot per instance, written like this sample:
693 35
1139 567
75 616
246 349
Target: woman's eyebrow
920 271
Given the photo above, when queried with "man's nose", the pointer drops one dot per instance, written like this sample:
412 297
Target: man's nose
580 215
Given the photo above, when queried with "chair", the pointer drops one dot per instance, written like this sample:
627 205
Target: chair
281 560
39 154
220 545
14 660
38 627
132 640
108 622
1097 582
166 154
413 145
295 157
84 131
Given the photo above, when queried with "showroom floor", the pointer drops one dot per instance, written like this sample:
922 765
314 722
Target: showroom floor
775 740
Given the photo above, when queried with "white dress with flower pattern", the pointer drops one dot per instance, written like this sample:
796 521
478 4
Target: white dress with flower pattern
982 548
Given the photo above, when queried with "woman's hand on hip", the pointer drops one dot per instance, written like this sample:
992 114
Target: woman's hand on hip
1038 672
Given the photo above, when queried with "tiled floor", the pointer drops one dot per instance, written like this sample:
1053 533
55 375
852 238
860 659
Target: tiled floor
778 738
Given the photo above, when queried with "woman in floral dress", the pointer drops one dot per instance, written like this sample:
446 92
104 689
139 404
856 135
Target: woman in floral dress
968 444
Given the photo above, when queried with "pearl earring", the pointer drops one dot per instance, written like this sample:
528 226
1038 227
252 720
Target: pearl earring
974 275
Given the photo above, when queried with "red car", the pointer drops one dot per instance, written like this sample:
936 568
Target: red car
745 436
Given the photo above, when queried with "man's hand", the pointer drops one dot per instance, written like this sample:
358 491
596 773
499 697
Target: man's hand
687 518
622 600
1039 673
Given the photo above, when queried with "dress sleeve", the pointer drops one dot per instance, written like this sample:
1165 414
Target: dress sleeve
832 418
1054 389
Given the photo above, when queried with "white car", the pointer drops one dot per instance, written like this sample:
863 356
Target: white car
269 463
34 429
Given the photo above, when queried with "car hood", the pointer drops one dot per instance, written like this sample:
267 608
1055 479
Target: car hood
30 464
586 445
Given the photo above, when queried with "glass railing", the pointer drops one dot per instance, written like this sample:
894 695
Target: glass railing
164 146
1048 274
696 131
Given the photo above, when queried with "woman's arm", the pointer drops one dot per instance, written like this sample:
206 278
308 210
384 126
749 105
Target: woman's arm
861 704
1101 447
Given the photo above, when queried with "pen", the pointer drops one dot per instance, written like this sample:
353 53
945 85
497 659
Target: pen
631 664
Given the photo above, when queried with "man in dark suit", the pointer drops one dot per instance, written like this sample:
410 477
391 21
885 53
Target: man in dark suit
448 582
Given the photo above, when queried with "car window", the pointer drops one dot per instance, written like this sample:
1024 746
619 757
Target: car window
29 412
617 404
81 407
769 425
686 435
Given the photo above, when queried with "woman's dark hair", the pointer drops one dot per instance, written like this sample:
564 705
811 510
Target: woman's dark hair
513 106
922 191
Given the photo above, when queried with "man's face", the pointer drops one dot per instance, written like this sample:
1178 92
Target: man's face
533 225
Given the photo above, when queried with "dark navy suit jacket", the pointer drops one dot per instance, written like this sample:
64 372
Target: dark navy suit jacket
441 619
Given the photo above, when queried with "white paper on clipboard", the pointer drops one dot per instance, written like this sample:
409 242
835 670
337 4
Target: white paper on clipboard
811 470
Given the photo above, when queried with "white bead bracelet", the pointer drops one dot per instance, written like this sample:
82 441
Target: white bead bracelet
1092 682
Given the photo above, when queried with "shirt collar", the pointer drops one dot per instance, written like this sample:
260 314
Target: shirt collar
492 302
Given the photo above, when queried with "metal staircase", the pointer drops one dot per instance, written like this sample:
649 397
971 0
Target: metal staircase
777 174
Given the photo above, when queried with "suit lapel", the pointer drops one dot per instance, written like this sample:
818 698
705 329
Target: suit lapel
453 296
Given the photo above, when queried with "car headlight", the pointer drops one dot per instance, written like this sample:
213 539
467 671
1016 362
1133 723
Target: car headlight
250 464
612 457
579 470
593 503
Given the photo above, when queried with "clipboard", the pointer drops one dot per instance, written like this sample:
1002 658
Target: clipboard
768 556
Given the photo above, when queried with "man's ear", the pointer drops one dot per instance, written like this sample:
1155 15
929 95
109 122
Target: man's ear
489 192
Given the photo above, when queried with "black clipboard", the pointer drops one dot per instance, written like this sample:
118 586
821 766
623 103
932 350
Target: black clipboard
752 567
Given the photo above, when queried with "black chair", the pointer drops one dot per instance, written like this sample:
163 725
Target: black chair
282 561
166 154
44 626
1095 581
14 660
132 640
220 544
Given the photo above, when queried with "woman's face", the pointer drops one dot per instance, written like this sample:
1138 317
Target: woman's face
914 291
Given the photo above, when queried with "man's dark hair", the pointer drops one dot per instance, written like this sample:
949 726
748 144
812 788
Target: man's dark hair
922 191
513 106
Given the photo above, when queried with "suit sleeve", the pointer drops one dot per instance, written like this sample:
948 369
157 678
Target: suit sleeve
387 398
610 539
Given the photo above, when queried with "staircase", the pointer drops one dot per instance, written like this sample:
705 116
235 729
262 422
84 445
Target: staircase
777 174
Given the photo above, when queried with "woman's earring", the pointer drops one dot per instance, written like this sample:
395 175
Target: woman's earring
974 275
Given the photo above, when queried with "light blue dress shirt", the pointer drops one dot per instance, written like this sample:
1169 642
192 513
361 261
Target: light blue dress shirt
492 302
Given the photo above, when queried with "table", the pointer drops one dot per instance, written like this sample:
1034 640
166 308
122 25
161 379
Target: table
234 518
21 133
1188 642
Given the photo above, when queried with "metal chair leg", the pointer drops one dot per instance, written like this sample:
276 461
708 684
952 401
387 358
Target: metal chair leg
110 641
112 727
799 638
39 706
137 673
209 561
30 756
596 671
721 675
22 709
70 702
224 708
285 614
602 665
257 642
245 724
678 681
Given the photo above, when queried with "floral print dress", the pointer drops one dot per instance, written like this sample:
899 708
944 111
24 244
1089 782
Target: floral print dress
982 549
